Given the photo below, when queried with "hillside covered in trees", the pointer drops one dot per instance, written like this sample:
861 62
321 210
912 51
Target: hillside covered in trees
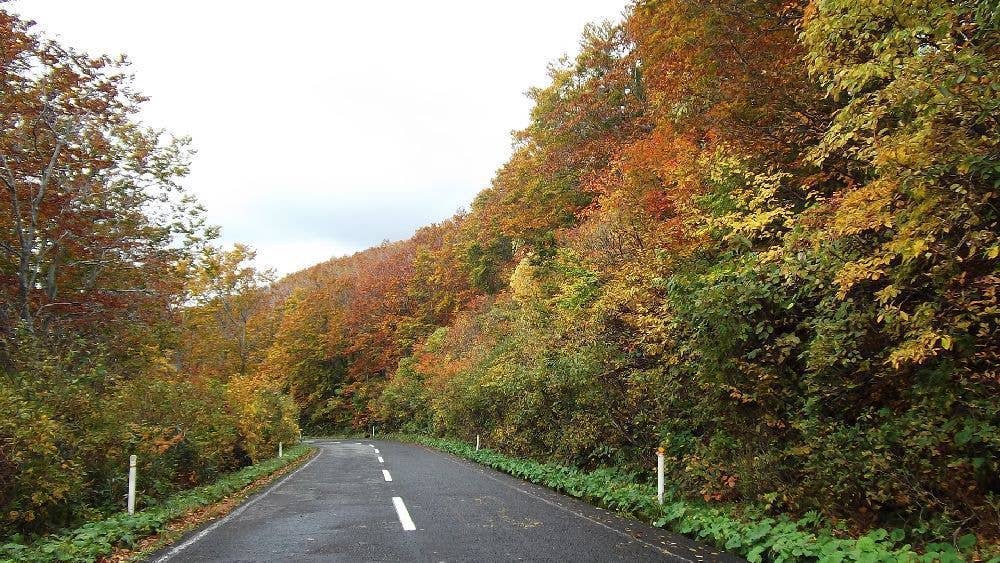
761 235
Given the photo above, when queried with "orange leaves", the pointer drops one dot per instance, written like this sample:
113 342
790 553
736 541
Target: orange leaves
163 443
737 72
341 327
81 177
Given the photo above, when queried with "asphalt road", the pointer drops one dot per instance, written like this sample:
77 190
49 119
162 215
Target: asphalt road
341 506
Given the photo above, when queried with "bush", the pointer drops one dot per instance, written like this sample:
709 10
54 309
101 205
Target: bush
264 416
67 429
35 478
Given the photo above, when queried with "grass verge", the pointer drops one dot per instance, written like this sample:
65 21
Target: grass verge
124 537
764 539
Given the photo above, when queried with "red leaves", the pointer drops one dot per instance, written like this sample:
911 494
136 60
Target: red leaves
78 176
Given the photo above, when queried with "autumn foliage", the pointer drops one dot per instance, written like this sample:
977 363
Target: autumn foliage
122 329
760 235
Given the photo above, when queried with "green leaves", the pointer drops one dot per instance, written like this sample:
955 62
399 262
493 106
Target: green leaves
966 542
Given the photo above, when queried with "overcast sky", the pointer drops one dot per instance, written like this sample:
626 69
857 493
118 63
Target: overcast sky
323 128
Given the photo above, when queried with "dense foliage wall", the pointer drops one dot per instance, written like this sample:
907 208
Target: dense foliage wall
122 329
762 235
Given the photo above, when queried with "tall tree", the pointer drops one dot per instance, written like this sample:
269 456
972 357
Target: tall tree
92 211
229 292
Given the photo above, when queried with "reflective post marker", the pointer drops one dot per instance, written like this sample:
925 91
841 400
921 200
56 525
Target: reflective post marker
477 442
131 484
659 475
281 450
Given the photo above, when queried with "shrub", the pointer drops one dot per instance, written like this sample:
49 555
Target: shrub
67 428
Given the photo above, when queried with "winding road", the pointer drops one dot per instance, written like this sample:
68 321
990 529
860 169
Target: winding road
386 501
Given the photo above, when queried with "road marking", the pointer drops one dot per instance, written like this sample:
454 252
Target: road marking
475 467
380 460
236 512
404 515
376 451
385 473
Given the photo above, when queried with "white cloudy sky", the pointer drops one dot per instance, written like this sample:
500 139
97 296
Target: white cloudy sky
326 127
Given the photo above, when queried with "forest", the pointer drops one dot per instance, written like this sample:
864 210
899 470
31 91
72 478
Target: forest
761 235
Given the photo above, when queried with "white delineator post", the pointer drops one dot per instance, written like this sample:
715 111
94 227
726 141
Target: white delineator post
281 450
131 483
373 431
659 475
477 442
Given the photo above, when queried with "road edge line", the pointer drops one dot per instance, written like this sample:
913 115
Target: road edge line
192 540
486 473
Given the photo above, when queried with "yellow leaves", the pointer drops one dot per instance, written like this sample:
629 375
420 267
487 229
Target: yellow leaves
264 415
523 285
865 208
743 204
501 377
906 151
923 340
914 248
854 272
802 450
915 350
886 294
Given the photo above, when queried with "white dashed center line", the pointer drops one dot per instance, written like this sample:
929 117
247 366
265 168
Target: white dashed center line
380 460
385 473
404 515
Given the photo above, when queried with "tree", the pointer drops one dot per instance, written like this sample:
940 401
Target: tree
94 219
102 255
228 293
298 358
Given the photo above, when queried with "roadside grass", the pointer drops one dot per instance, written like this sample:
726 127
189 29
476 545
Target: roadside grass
118 535
762 539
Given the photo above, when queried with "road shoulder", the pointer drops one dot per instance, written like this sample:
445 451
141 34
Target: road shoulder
668 543
201 520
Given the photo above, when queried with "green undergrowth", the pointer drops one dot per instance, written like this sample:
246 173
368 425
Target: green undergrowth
763 539
100 538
